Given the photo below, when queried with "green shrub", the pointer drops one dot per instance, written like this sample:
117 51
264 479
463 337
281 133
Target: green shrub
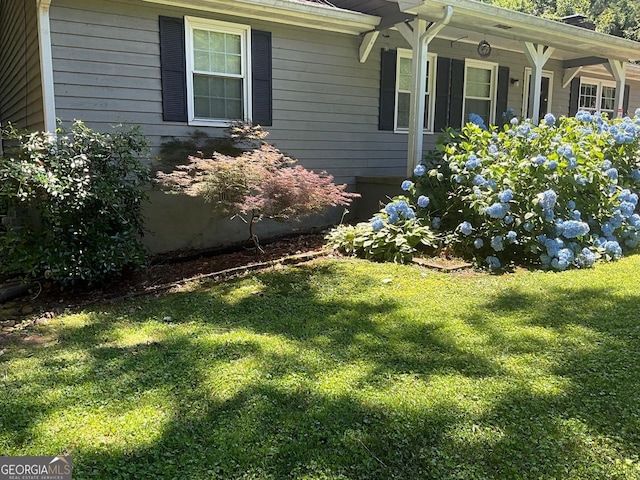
393 235
558 194
76 198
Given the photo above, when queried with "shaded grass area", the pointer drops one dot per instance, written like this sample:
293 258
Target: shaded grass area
342 370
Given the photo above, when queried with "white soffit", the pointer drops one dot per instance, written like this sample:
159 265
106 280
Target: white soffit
511 25
289 12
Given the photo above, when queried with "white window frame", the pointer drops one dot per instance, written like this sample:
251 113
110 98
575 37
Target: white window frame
432 58
525 97
599 84
194 23
493 67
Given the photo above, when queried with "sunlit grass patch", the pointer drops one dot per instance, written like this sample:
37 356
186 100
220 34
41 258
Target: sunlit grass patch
342 369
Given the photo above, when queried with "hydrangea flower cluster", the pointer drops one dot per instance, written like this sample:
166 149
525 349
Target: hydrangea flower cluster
544 195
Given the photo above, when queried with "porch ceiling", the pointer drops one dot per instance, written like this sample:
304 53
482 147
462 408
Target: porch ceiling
507 29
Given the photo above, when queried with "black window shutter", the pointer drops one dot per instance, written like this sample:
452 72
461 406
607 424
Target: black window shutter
387 111
457 93
261 78
443 73
574 96
625 100
173 69
502 101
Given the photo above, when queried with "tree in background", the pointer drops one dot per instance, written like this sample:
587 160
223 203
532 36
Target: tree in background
615 17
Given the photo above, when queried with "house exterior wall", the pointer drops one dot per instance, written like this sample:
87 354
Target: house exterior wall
20 84
106 58
325 103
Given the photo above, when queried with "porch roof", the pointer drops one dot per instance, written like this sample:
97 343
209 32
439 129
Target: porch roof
474 21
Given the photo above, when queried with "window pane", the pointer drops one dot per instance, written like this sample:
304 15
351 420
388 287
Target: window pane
403 110
478 82
201 40
217 52
201 61
232 44
608 102
216 42
218 63
404 80
233 64
404 100
588 96
480 107
217 97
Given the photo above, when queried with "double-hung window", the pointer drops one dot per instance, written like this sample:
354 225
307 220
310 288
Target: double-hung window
480 89
218 71
403 91
597 96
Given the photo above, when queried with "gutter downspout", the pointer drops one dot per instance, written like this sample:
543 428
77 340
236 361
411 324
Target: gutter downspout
422 36
46 66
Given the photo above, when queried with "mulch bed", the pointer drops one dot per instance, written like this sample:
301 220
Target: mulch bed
163 272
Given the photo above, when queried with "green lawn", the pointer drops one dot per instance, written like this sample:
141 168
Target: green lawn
342 370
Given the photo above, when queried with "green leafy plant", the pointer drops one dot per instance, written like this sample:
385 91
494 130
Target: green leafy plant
394 234
259 183
73 203
559 194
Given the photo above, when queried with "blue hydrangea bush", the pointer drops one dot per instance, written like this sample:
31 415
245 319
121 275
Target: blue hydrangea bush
394 234
559 194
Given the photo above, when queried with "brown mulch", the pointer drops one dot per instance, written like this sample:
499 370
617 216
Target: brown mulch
163 272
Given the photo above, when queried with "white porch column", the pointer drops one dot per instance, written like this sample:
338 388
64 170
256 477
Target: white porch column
419 37
618 69
537 56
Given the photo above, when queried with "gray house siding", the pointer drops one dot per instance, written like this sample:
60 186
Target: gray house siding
325 102
20 84
106 58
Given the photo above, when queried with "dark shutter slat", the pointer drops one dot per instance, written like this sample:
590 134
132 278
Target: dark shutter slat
503 94
261 78
574 96
173 69
443 74
625 100
457 91
386 116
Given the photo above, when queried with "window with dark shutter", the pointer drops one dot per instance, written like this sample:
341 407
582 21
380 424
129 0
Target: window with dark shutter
456 93
502 99
443 76
625 100
205 72
173 70
574 96
387 89
261 77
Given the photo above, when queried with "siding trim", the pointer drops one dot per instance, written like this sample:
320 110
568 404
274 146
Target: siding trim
46 66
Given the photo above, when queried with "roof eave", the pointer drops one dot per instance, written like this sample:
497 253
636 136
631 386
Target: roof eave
288 12
531 28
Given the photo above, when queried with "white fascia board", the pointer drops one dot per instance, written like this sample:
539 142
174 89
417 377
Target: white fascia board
530 28
286 12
